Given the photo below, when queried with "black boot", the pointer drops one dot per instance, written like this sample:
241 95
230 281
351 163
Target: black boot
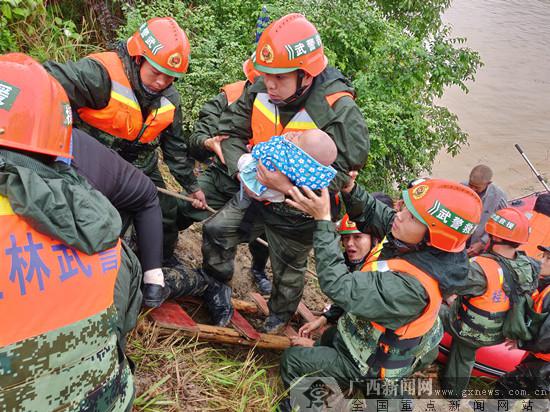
263 284
154 295
217 298
274 324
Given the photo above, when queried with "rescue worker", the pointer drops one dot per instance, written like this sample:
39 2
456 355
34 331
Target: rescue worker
477 318
539 221
533 373
215 182
297 91
61 345
390 327
357 246
126 99
493 199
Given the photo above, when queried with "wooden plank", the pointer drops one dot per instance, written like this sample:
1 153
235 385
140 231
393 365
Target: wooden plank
231 336
243 326
262 305
172 315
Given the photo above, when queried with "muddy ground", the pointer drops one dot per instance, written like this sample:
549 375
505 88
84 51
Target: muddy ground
189 251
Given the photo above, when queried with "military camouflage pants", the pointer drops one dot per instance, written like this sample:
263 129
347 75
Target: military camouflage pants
218 189
289 235
328 358
461 359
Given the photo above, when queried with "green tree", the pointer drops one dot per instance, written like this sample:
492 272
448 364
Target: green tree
398 54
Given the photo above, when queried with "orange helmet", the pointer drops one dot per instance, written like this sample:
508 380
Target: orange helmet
451 211
288 44
509 224
248 69
164 44
347 227
35 114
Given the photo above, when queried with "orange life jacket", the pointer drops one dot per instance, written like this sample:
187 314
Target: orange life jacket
494 303
122 116
426 320
39 272
265 120
408 336
539 235
233 91
539 301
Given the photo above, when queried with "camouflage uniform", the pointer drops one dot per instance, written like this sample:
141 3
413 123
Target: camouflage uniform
288 231
80 366
344 354
467 339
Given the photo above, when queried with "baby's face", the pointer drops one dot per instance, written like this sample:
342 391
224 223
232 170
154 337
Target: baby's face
295 137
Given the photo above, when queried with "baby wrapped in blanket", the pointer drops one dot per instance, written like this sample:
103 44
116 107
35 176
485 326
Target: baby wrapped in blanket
304 157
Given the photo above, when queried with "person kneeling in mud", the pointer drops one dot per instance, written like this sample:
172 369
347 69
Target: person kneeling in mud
390 327
357 247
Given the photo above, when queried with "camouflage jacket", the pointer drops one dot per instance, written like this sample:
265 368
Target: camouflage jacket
79 366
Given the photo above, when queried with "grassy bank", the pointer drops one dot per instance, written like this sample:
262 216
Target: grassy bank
176 373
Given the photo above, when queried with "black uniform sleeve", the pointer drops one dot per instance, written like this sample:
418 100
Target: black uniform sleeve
127 188
206 127
175 151
86 82
333 313
541 344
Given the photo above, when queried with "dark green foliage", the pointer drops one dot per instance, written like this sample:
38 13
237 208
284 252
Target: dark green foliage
397 53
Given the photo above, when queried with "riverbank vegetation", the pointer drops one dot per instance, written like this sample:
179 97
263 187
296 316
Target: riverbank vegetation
398 54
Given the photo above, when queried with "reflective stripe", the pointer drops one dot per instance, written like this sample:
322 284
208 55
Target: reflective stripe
5 207
122 117
165 105
262 103
301 121
124 95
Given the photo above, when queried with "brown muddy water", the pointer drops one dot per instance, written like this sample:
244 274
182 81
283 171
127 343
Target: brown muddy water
509 102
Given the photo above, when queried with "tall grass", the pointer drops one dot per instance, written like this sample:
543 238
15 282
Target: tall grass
46 35
177 373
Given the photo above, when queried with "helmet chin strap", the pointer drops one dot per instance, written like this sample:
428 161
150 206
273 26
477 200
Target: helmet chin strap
404 247
300 89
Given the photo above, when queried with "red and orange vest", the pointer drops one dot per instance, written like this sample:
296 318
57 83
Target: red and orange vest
539 301
233 91
265 122
40 272
122 117
393 353
493 304
421 325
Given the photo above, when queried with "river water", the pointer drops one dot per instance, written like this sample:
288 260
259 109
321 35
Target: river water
509 102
